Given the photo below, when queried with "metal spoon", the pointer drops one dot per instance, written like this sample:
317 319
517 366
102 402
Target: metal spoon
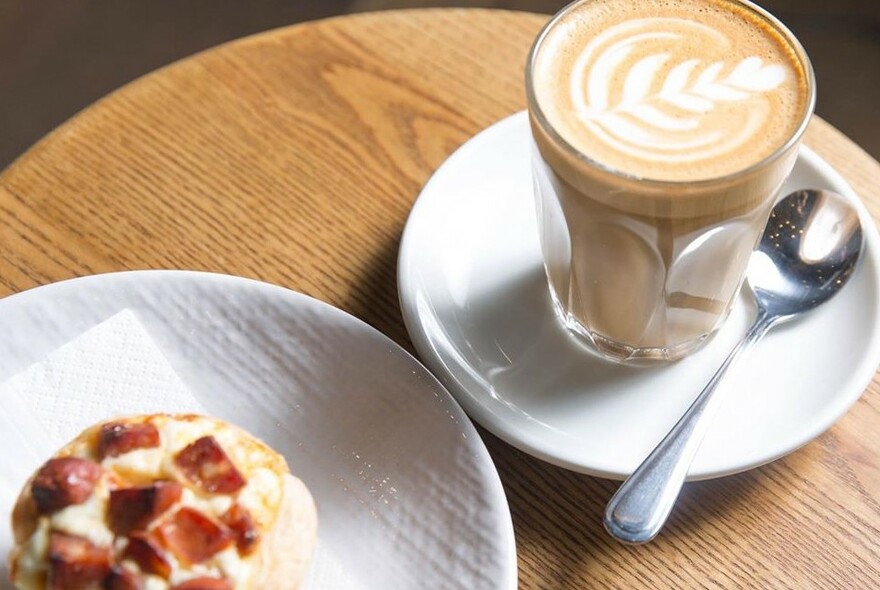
806 255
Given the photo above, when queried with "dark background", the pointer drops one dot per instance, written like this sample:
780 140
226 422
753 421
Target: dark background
58 56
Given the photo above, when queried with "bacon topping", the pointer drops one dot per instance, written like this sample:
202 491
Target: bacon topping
243 527
64 482
192 536
76 564
118 438
205 464
204 584
145 552
133 509
121 579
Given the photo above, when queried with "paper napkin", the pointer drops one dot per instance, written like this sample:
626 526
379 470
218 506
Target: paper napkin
111 370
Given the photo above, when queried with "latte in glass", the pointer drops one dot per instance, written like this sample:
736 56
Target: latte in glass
663 133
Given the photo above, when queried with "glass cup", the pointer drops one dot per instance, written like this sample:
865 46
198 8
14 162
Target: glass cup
641 268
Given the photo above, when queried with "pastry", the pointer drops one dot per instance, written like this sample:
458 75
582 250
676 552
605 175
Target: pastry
163 502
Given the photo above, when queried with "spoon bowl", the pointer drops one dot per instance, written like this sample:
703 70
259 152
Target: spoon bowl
806 255
807 252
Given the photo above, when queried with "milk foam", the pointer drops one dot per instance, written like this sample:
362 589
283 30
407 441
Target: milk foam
678 90
673 123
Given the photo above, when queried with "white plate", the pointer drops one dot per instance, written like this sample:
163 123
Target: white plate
408 496
476 305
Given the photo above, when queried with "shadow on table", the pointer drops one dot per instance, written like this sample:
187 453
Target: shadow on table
374 296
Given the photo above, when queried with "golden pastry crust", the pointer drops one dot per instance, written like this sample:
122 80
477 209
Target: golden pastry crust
215 501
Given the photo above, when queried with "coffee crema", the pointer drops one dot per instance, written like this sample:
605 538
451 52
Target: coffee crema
672 90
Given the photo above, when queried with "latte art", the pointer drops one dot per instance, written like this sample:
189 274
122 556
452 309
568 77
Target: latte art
638 92
669 90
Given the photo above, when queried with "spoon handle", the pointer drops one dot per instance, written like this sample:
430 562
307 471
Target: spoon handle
640 507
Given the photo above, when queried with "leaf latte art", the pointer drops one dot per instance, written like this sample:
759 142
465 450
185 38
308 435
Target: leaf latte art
639 88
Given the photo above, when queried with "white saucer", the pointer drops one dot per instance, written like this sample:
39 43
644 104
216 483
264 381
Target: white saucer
407 494
475 301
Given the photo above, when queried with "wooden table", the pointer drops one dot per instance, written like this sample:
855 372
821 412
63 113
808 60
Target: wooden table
294 157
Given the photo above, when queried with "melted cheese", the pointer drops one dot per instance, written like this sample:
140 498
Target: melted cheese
213 506
262 491
233 567
87 520
138 464
179 574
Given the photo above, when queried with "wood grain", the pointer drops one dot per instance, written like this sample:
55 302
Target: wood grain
294 157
